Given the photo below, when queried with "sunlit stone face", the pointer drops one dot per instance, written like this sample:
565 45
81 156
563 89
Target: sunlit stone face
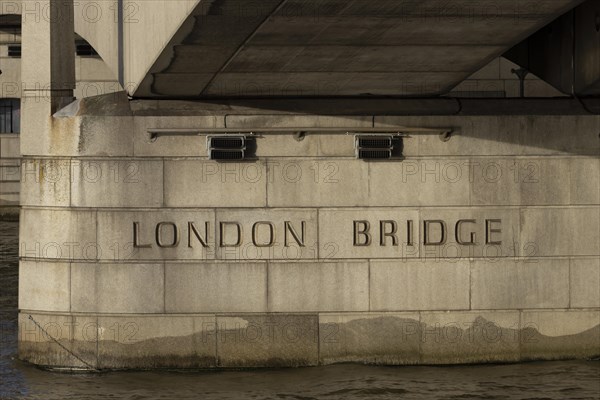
484 232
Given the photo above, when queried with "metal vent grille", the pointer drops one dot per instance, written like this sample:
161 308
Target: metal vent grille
225 155
223 142
374 142
374 154
227 148
374 147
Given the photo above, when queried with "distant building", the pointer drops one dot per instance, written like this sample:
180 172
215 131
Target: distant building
93 78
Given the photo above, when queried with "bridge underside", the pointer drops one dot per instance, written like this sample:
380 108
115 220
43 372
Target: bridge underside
228 48
472 238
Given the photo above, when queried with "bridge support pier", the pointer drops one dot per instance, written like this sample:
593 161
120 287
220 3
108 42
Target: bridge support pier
95 295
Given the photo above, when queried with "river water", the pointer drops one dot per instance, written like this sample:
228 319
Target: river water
543 380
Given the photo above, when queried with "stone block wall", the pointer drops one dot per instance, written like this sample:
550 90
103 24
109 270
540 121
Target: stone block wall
94 78
145 254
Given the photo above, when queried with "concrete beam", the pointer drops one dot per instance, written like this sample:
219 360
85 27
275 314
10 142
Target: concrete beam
292 48
47 69
48 53
565 53
367 106
587 48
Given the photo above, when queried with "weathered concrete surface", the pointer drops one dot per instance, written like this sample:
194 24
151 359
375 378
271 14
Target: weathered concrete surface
216 287
551 242
140 288
58 234
128 182
276 340
373 338
294 183
39 334
295 48
330 262
520 284
93 76
419 285
449 338
259 340
156 341
45 286
585 283
46 182
189 183
310 286
545 333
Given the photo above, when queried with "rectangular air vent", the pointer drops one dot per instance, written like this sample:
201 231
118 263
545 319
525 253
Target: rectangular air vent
374 142
374 154
373 147
226 147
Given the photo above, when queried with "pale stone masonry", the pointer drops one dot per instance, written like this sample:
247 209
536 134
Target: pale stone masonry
142 253
478 243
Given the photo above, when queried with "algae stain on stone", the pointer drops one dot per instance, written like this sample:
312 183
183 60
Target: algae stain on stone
537 346
42 172
366 341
